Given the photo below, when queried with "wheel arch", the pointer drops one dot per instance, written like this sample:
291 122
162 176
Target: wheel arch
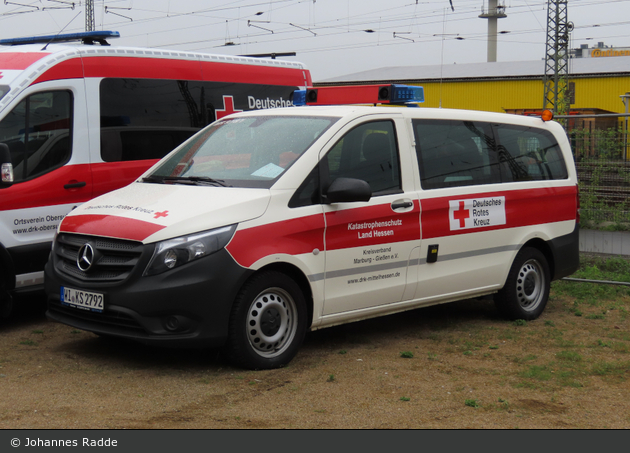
298 276
8 270
545 249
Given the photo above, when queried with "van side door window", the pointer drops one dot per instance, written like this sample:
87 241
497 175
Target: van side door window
455 153
38 132
370 153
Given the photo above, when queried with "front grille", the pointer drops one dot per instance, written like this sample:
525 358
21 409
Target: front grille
114 259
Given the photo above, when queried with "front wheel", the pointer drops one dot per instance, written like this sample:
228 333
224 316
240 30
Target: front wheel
267 323
526 289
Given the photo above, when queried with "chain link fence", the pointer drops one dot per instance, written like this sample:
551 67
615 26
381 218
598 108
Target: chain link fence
603 165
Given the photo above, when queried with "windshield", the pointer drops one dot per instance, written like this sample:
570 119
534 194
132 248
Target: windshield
251 151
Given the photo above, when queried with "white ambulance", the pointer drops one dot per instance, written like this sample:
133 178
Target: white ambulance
81 118
269 223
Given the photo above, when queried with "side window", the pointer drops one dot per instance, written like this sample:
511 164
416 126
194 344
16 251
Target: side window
368 152
38 132
146 119
528 153
455 153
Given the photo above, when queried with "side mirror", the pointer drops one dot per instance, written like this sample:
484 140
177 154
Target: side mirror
6 167
348 190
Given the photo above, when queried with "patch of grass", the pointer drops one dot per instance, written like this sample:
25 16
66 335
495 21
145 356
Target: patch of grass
611 369
405 398
537 372
520 322
569 355
472 403
343 351
550 323
28 342
595 316
331 378
406 355
432 356
37 331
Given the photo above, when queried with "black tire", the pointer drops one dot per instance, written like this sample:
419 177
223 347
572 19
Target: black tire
6 300
267 323
526 289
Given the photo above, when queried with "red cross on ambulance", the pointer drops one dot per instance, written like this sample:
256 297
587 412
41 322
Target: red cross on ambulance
228 107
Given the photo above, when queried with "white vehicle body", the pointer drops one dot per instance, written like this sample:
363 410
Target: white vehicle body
432 229
81 120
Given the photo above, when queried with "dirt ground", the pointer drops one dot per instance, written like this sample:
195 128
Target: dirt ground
465 368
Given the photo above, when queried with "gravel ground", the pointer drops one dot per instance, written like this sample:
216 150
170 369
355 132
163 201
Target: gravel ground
469 369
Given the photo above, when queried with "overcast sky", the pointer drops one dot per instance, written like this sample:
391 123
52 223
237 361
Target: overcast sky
332 37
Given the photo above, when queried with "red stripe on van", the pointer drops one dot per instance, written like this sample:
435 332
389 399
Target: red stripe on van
160 68
522 208
19 60
110 226
293 237
142 68
69 69
345 229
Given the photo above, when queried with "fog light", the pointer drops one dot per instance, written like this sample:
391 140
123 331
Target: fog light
172 323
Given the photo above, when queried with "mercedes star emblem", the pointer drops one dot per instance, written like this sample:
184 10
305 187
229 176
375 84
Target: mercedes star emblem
85 257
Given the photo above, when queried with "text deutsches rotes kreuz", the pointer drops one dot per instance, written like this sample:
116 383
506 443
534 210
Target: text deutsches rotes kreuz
476 213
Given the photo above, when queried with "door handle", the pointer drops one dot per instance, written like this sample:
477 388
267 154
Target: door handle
402 204
74 185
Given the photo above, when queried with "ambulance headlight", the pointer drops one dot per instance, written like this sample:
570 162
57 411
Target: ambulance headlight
175 252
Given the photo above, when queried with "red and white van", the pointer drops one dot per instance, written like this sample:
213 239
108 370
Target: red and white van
268 223
80 120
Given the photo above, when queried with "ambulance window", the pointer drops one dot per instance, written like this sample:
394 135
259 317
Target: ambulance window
38 133
529 154
368 152
455 153
146 119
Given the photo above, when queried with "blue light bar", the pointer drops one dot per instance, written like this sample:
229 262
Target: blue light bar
299 97
405 94
87 37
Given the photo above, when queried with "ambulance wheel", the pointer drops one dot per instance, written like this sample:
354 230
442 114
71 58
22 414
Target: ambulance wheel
6 300
267 323
6 304
526 289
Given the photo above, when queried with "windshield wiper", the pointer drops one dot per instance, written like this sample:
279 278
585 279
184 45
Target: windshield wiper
194 180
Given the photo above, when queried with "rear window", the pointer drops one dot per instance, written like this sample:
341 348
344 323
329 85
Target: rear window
462 153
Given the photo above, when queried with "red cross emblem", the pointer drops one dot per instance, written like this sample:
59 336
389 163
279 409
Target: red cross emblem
228 107
461 214
160 214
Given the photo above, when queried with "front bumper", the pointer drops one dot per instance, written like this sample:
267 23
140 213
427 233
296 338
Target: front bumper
186 307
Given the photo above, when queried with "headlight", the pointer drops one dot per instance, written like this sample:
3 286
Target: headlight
175 252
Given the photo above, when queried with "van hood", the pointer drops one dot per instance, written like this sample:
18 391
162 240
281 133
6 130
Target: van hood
155 212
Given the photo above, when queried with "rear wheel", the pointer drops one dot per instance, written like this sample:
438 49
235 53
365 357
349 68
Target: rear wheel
6 300
526 289
267 323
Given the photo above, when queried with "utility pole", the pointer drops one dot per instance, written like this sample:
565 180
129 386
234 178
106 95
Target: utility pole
89 15
494 12
556 77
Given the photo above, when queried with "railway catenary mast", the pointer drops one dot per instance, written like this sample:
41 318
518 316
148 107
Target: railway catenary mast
556 77
89 15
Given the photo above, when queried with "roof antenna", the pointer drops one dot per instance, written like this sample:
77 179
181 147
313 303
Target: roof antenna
58 33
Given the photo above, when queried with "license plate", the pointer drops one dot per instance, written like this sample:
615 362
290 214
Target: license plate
85 300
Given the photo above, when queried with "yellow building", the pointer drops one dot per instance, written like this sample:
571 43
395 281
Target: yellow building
506 86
